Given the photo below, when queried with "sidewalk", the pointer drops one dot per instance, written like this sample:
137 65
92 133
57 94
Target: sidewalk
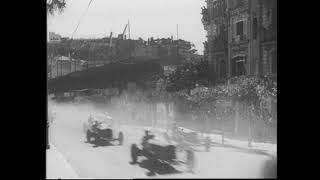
57 166
268 148
264 148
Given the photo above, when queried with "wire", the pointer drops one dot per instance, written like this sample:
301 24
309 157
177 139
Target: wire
81 18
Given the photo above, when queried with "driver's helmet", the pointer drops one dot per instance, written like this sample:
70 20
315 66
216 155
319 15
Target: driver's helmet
95 122
146 132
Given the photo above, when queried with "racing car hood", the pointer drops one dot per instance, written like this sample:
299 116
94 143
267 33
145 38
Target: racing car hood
161 140
104 126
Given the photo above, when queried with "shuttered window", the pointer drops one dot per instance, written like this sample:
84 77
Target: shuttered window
233 30
274 20
240 28
245 27
274 62
255 28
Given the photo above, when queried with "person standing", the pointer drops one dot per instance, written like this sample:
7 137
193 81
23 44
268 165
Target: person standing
190 161
207 143
48 144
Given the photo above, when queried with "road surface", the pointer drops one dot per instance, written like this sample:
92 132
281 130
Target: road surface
66 133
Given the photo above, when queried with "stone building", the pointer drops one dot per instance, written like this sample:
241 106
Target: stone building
215 22
242 40
242 37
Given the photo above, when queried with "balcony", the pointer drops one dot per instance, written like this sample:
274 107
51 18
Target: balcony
240 38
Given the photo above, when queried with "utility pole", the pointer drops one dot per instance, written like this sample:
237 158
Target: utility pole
70 61
61 67
130 50
51 66
75 65
93 56
251 67
57 68
177 41
88 57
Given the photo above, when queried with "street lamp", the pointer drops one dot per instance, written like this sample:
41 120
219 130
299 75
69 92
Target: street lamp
47 133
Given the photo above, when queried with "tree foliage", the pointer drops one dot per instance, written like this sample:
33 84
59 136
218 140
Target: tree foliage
55 6
187 76
249 90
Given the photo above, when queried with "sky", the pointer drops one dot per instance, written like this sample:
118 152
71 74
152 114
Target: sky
148 18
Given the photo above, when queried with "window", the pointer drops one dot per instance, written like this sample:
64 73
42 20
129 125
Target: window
274 20
222 69
234 3
233 68
274 61
239 28
255 28
238 66
241 70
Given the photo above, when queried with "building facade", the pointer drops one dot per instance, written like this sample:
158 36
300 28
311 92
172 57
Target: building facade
242 37
53 37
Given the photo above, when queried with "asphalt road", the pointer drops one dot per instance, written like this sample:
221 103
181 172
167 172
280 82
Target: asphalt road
66 133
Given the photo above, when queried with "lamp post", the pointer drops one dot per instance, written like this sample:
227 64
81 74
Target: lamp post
47 132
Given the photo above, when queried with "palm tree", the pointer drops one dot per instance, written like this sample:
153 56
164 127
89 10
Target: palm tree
55 5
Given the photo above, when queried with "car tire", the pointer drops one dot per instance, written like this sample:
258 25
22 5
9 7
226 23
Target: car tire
134 153
120 138
97 140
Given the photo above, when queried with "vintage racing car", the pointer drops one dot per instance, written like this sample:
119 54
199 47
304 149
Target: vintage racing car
101 127
188 136
157 149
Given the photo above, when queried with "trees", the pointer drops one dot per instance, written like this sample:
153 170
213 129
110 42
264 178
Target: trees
250 91
253 92
187 76
55 5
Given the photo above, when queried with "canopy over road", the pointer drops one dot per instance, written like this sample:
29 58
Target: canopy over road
103 76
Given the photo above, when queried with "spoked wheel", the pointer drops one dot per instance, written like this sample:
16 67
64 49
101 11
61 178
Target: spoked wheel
120 138
97 140
134 153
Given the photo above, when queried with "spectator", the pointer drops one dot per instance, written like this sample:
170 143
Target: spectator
207 143
190 161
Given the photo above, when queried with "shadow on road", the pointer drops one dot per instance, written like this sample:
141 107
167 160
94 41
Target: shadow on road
157 167
100 144
269 170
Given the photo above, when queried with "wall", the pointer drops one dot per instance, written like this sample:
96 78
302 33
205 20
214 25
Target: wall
59 68
257 50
